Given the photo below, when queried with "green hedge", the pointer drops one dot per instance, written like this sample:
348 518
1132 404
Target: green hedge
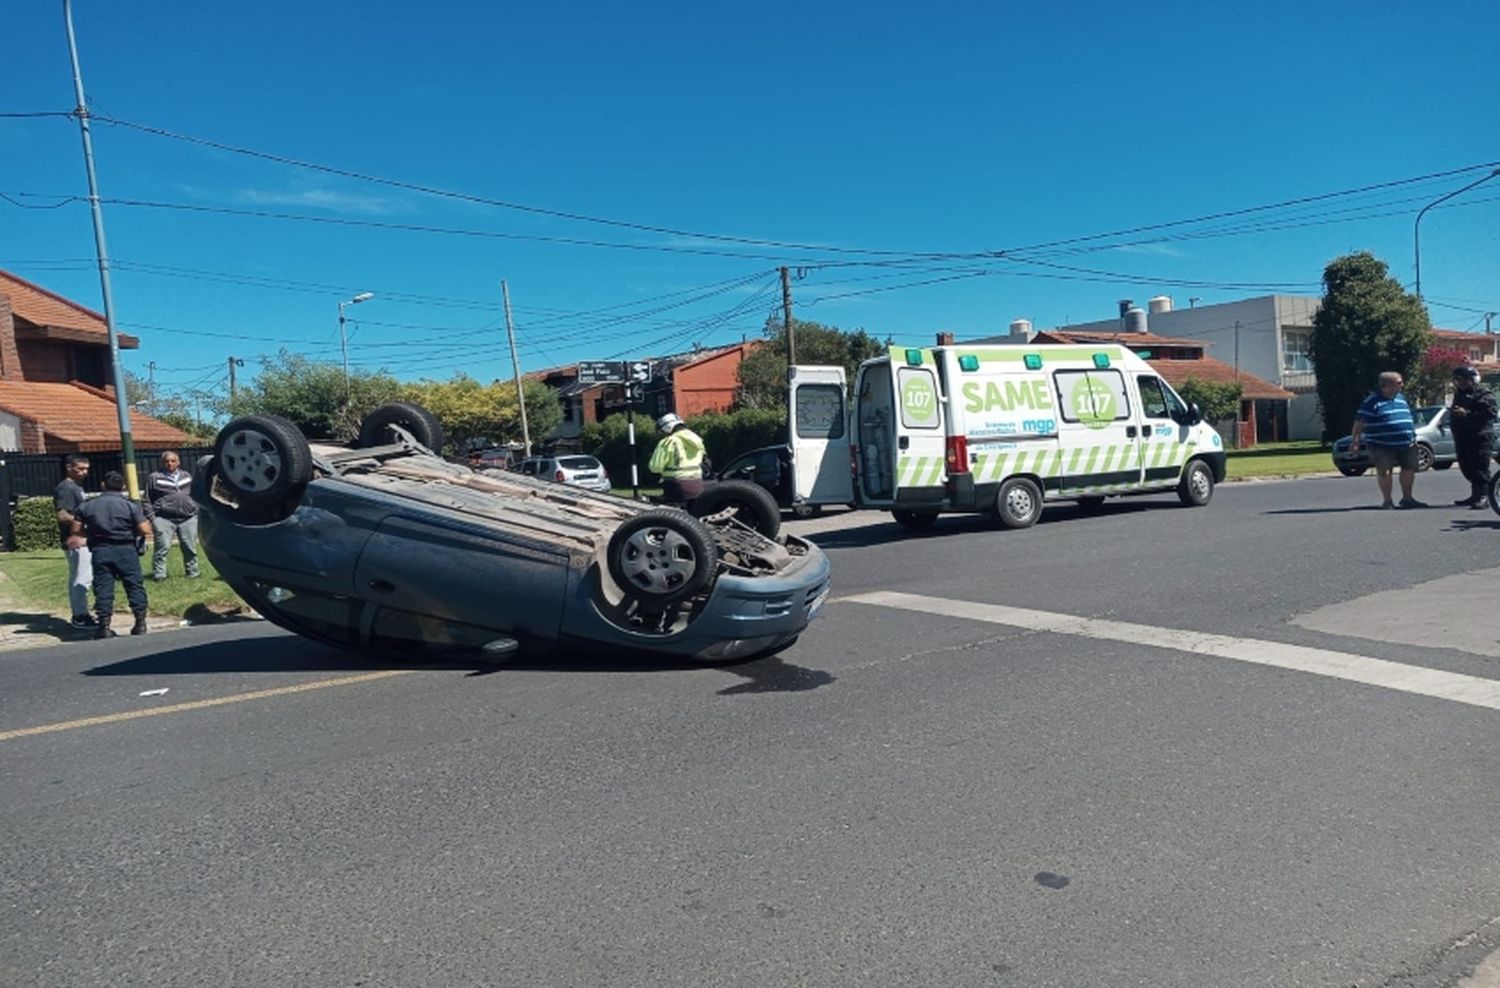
725 436
35 524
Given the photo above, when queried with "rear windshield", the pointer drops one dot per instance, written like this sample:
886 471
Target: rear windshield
578 463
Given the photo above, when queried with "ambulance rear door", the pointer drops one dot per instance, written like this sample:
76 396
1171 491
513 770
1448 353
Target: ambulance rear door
921 439
819 435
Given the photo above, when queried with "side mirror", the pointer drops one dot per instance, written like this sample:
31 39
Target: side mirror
1195 414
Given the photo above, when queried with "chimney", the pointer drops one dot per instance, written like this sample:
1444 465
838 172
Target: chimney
1125 306
945 339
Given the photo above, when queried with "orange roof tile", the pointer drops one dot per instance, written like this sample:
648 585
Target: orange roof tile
79 414
1211 371
43 308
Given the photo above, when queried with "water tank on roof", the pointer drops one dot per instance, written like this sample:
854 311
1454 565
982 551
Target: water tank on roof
1021 328
1161 303
1135 320
1125 306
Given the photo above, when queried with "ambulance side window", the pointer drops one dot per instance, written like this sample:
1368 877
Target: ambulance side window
1153 397
1092 396
918 396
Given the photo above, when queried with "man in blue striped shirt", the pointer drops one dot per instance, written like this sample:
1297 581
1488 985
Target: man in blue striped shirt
1385 423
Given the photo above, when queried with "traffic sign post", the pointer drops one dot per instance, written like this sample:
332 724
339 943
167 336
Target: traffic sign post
601 372
635 391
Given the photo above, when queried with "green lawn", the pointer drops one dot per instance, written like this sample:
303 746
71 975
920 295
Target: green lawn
1280 460
35 581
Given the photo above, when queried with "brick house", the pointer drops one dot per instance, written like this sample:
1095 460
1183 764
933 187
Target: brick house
56 387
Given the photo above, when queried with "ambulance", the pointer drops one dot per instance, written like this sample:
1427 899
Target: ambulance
1002 429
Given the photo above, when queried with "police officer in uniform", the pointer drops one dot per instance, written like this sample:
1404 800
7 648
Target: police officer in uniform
678 460
111 523
1473 421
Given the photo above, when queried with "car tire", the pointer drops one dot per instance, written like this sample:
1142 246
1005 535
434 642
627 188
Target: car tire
1443 465
1424 457
1352 471
1019 503
750 503
263 459
422 424
1091 502
1197 485
662 556
805 510
1494 495
914 520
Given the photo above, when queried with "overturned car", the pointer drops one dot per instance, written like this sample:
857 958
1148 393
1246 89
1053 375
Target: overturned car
385 546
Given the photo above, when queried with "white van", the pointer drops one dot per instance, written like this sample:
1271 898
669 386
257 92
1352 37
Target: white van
996 428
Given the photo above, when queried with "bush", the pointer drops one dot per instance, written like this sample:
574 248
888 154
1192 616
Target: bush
725 436
35 524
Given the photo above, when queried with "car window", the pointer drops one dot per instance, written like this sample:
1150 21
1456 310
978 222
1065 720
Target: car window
820 411
1153 398
578 463
1092 397
1425 415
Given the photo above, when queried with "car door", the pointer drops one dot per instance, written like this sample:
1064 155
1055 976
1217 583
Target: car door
1164 435
819 428
921 442
1098 431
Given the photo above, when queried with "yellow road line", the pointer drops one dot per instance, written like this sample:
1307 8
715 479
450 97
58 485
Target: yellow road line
177 708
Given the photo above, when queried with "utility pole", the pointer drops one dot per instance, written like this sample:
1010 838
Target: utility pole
786 317
233 363
1416 227
151 387
1487 317
127 441
1236 349
515 363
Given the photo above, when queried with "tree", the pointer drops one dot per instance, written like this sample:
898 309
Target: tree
311 395
479 414
1217 401
1367 324
138 392
762 374
1429 385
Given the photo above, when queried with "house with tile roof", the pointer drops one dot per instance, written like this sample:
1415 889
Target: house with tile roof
56 382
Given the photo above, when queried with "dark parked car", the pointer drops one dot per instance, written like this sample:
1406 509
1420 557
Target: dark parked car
770 467
387 547
1434 444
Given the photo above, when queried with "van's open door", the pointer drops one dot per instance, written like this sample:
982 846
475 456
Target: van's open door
819 427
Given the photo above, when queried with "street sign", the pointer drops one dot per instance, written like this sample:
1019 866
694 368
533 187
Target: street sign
640 371
636 392
601 371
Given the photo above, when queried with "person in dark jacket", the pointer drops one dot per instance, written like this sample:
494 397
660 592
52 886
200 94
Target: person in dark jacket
110 525
173 515
67 499
1473 417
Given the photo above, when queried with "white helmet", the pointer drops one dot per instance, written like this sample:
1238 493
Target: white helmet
668 422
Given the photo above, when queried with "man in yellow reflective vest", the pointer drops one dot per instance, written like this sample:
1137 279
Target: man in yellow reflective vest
678 460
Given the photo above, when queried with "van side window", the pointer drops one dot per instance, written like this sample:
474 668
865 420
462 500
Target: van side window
1153 397
1092 396
917 393
820 411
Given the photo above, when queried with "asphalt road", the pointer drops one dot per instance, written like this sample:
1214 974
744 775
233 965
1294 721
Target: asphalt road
907 797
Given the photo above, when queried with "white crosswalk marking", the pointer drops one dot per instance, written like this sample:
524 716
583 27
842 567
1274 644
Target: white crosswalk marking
1472 690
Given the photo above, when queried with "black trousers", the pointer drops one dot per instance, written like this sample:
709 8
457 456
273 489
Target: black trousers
1474 460
117 562
680 492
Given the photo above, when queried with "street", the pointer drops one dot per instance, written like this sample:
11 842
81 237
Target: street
1253 744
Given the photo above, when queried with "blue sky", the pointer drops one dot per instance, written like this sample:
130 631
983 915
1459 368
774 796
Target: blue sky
846 128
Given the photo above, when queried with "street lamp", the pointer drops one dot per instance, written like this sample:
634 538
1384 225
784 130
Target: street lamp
1416 228
343 337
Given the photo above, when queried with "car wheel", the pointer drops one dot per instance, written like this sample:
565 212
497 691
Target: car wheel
1443 465
661 556
262 459
1495 493
1352 471
914 520
746 502
1424 457
804 510
1197 485
1091 502
1019 503
423 425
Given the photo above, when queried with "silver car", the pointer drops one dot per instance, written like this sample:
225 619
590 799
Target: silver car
387 547
573 470
1434 444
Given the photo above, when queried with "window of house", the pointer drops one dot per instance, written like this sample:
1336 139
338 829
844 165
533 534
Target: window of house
1295 347
1474 353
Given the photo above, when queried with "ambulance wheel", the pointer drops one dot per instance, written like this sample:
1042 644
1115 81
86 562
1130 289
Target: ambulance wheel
1197 485
916 520
662 556
1091 502
1019 503
747 503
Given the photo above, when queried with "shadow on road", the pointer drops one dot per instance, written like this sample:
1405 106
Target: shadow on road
1333 511
41 624
886 531
1465 525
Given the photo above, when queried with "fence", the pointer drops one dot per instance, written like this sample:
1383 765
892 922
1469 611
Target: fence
38 474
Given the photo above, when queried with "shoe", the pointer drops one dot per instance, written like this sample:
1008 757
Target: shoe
103 631
1466 502
158 577
194 575
1387 506
1411 502
83 622
139 628
1478 506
